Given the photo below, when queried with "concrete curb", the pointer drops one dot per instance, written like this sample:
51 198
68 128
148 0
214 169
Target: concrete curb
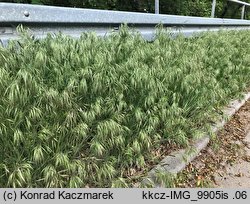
177 161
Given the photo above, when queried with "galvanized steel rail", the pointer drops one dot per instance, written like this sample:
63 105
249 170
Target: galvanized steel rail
73 21
243 5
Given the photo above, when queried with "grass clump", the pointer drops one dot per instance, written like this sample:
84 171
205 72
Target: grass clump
89 111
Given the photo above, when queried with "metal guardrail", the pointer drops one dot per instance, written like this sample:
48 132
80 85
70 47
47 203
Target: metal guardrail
243 4
240 2
73 21
213 8
157 6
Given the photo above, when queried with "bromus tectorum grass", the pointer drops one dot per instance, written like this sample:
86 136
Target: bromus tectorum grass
89 111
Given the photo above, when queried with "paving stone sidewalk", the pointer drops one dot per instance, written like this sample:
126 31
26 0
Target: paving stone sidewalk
225 162
237 175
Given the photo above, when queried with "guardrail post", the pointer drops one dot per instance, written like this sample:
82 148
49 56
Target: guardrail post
213 9
157 7
243 11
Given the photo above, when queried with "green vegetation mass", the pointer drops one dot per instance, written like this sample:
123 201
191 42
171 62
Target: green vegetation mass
91 111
